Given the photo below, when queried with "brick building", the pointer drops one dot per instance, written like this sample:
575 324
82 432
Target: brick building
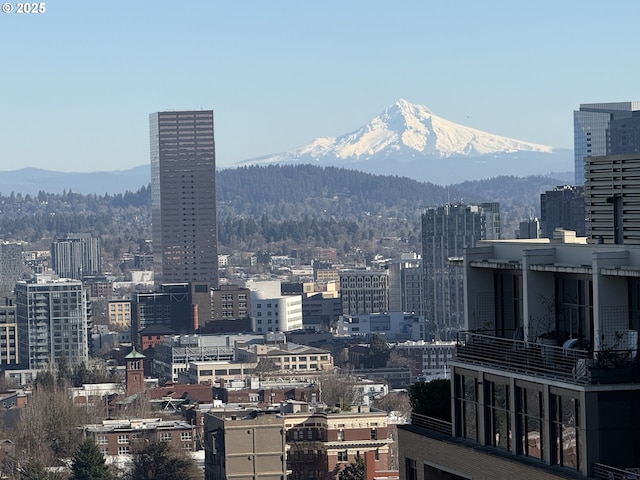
115 437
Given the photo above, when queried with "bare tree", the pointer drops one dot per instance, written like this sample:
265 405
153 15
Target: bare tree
338 389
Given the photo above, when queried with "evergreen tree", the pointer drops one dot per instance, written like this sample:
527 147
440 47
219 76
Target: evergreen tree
432 399
33 470
89 463
353 471
159 461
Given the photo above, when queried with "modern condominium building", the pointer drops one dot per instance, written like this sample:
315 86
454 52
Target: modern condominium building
76 256
183 197
446 232
545 380
53 321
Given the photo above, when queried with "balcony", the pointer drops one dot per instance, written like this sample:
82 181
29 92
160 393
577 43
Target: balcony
606 472
431 423
579 367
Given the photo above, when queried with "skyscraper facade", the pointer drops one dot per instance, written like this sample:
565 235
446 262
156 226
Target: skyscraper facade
562 207
53 321
10 265
183 197
446 232
76 255
592 131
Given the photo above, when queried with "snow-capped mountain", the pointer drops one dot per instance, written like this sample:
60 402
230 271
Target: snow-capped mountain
407 139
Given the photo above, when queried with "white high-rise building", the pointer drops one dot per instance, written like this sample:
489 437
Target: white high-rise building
53 321
273 311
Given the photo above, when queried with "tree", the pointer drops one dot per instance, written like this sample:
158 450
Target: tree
353 471
89 463
378 352
338 390
160 461
265 367
432 399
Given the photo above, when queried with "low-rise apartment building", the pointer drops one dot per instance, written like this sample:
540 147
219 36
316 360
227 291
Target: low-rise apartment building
116 437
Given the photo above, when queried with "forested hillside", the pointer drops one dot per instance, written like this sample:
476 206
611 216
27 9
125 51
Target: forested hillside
275 209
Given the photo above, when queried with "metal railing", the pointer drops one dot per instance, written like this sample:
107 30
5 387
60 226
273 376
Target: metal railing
431 423
606 472
570 365
526 357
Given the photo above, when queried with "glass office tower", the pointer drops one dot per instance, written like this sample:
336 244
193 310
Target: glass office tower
591 136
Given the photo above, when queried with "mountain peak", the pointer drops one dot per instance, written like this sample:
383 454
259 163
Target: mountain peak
406 133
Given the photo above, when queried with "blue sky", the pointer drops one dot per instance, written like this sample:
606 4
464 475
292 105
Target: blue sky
78 82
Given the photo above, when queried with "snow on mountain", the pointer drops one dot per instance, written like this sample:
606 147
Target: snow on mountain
407 127
408 137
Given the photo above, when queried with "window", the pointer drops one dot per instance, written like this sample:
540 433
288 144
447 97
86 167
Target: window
102 440
341 436
411 468
342 456
466 406
123 439
498 429
185 436
529 418
165 436
123 450
564 431
374 434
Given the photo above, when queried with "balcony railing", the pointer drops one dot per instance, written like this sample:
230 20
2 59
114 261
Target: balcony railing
606 472
431 423
532 358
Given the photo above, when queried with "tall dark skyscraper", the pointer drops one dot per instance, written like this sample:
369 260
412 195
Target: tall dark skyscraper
183 197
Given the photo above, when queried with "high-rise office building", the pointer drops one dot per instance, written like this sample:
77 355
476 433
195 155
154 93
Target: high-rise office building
446 232
562 207
183 197
406 289
76 255
10 265
593 136
53 321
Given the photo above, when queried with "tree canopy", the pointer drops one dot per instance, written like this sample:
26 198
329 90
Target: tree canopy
160 461
89 463
432 399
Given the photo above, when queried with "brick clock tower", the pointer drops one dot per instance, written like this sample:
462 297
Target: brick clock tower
135 372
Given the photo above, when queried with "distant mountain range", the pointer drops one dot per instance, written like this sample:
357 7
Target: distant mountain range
405 140
408 140
33 180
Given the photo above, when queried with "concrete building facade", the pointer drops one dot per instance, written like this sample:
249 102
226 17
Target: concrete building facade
245 445
545 379
364 291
